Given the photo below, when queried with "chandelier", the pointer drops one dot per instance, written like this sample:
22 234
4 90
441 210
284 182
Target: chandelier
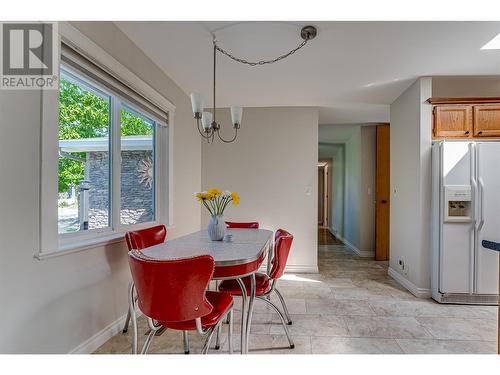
206 122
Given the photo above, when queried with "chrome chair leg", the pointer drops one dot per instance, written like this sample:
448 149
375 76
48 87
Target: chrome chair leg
217 338
152 332
230 331
285 309
131 301
127 321
283 322
208 340
149 339
186 341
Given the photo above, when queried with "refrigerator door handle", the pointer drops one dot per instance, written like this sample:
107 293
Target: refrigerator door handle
473 182
481 204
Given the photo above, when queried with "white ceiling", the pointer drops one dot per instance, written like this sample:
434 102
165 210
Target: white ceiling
352 71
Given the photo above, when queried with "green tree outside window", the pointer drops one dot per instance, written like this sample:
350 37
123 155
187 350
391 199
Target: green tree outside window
83 114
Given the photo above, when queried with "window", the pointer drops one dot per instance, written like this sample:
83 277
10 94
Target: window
105 153
86 168
84 156
137 181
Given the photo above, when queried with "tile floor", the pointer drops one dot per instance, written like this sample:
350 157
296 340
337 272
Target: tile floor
351 306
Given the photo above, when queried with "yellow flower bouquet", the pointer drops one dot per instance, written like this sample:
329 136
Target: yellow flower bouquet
216 201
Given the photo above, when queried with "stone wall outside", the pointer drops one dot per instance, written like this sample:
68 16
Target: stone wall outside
137 199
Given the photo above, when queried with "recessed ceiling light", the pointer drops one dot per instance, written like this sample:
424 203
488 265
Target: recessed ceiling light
493 43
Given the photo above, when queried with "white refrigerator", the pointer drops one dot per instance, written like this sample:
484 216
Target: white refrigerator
465 211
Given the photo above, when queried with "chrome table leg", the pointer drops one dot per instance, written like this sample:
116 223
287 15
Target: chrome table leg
230 330
250 310
243 315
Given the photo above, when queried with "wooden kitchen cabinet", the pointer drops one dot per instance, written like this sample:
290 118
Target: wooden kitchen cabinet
487 120
453 121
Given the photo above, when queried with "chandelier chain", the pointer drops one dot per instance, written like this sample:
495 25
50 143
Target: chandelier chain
261 62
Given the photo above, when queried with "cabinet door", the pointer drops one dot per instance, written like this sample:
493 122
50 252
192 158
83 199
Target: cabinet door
487 120
453 121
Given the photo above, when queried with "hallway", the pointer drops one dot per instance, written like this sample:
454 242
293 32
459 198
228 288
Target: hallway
351 306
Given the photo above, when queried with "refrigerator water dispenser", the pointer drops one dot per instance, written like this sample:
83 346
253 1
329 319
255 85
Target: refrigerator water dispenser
458 203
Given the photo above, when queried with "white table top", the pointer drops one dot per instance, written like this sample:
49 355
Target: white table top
240 246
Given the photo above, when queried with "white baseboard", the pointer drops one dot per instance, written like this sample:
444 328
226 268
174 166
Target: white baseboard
294 269
340 238
412 288
94 342
360 253
301 269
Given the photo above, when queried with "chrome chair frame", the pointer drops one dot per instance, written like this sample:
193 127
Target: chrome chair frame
266 297
132 299
208 333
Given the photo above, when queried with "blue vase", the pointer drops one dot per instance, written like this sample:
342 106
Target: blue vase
216 228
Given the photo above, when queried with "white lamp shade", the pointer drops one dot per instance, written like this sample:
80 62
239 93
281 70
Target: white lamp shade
206 120
236 114
197 102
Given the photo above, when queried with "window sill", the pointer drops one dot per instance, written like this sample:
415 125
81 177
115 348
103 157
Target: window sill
87 244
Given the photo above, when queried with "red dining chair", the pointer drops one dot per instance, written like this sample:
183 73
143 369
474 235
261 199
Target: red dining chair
248 225
172 294
139 240
143 238
266 284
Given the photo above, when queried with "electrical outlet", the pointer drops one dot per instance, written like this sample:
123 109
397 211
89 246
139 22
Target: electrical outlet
403 267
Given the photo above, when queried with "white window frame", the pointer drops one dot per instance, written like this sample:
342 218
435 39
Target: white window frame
51 243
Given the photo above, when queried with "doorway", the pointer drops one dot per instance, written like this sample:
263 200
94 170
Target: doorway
382 193
324 193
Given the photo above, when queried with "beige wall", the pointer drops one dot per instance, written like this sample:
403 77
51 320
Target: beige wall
55 305
273 166
359 209
410 186
335 153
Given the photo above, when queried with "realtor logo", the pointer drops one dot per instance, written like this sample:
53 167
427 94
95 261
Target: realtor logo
28 56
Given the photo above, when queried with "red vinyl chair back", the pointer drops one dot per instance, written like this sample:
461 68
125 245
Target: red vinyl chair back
172 290
249 225
282 244
141 239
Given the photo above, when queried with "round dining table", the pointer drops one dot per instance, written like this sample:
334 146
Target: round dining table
238 255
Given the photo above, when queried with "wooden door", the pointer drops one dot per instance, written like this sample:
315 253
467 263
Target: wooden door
382 194
487 120
453 121
321 195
